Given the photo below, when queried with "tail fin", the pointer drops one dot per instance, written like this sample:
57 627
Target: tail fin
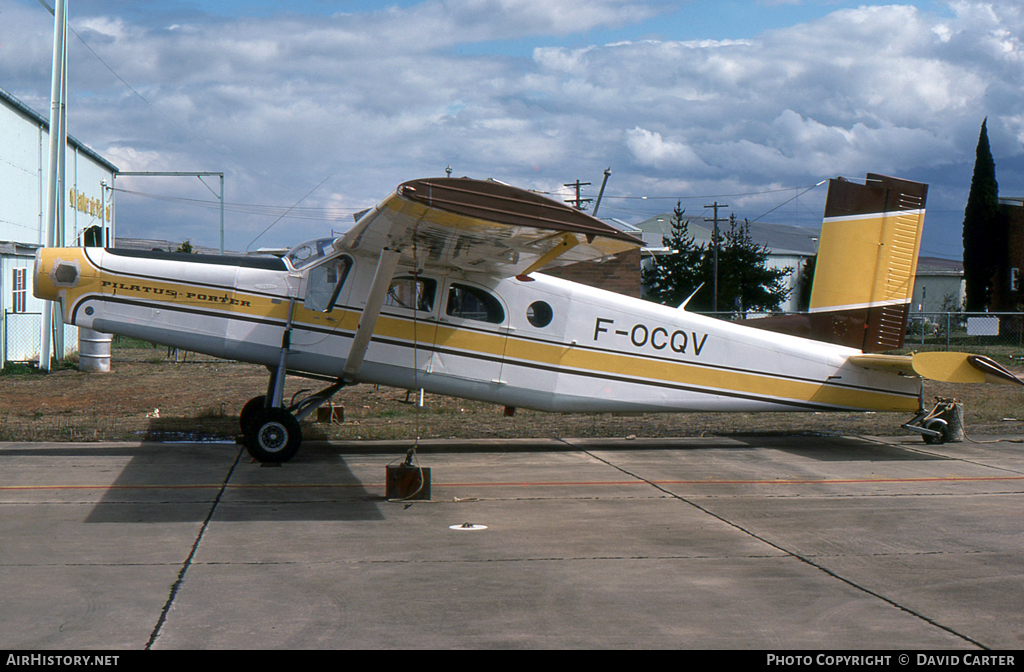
867 259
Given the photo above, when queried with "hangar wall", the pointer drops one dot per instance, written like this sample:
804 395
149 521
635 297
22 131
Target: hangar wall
24 166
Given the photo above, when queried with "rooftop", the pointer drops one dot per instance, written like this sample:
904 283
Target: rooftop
779 238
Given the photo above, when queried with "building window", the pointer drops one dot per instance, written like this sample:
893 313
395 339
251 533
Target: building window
19 291
1014 279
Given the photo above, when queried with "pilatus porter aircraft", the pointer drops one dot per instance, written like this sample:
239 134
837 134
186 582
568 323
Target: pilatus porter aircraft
438 288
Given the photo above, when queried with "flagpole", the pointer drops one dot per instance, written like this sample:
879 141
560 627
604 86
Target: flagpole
54 195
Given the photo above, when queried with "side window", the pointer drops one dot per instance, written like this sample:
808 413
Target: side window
471 303
325 283
412 293
540 314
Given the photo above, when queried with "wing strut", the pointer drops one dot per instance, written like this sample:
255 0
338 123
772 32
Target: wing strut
275 390
386 265
568 242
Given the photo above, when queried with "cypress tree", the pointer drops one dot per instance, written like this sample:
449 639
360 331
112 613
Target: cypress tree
981 225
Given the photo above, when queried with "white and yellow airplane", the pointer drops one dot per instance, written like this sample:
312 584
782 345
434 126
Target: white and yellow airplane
437 288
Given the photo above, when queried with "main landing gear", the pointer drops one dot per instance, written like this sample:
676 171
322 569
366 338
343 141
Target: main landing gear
270 429
272 433
943 424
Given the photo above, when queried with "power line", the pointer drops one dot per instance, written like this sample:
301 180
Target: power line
684 198
310 213
286 212
789 200
180 127
578 202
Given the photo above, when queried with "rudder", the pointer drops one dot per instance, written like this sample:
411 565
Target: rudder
867 260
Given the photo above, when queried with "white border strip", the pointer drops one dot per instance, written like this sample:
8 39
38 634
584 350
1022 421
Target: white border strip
856 306
873 215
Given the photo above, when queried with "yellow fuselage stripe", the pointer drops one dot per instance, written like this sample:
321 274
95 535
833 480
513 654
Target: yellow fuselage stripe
709 379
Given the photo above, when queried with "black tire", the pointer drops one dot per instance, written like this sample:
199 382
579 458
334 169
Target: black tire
249 411
274 436
937 425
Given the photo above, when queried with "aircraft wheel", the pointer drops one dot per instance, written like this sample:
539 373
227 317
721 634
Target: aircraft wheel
249 411
937 425
274 436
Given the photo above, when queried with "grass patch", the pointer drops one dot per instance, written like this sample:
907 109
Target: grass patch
127 343
18 369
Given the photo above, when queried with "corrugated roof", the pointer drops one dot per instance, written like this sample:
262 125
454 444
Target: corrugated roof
779 238
937 266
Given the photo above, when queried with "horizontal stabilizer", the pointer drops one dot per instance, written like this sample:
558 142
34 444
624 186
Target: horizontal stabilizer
947 367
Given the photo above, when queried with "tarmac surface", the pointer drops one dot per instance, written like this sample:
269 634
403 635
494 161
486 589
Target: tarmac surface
746 542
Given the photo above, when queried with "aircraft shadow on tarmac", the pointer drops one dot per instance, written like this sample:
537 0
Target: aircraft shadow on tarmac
167 483
184 482
839 448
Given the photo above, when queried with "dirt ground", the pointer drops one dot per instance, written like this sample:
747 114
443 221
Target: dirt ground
149 395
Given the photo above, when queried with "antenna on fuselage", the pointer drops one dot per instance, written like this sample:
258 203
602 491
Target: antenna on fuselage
682 306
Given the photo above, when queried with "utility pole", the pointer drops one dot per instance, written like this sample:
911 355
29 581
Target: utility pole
714 255
578 203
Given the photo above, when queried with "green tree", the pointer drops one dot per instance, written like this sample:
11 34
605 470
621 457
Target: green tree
674 276
982 244
185 247
744 280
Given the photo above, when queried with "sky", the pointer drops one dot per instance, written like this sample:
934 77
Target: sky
325 107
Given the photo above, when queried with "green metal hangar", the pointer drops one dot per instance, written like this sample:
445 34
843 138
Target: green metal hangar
88 218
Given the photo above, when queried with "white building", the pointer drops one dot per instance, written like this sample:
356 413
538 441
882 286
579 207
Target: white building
88 219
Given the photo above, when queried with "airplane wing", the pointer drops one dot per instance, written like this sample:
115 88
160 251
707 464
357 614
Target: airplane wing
481 226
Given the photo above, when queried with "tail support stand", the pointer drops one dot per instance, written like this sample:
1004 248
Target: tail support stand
943 424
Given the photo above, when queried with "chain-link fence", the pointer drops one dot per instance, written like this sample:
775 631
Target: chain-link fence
986 333
999 335
20 338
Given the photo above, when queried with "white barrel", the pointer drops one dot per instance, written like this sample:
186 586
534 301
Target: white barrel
93 351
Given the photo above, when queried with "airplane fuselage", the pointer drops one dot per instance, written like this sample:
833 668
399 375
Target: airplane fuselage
534 342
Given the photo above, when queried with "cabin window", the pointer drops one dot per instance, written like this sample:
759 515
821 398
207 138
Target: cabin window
471 303
325 284
412 293
19 291
310 252
539 314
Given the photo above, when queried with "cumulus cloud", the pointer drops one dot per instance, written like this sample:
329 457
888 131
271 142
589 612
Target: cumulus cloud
650 149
